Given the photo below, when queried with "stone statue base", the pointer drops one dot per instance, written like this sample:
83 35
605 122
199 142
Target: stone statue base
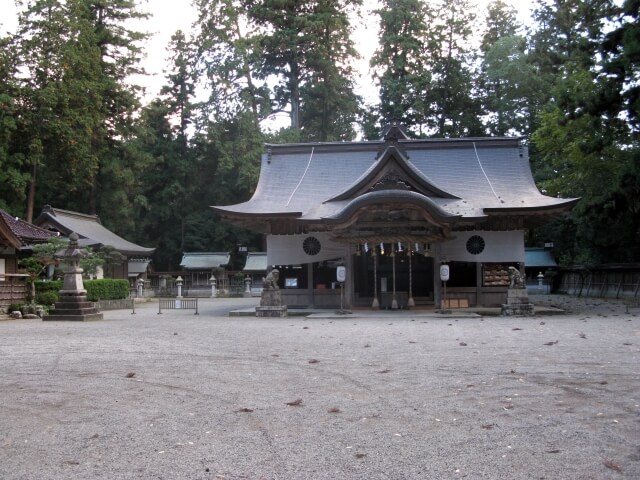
271 304
517 303
72 307
272 311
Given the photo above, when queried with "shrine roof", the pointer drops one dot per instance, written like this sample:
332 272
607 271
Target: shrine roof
256 262
204 260
90 230
464 178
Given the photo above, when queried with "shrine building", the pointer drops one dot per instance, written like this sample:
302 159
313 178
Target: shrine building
392 212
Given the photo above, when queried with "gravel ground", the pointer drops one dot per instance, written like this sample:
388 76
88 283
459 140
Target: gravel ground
408 395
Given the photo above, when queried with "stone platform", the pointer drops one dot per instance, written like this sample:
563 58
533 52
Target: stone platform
272 311
73 308
517 303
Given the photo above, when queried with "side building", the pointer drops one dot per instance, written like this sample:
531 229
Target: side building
17 238
393 212
93 234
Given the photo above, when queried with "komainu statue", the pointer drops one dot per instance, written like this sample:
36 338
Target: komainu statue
271 291
271 280
515 279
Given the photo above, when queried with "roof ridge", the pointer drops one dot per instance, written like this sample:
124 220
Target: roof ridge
70 213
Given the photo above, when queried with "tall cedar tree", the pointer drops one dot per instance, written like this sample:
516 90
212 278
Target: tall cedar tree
424 64
75 107
506 77
398 64
583 141
305 47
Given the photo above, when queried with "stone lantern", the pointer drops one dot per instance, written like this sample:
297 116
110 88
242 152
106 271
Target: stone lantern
72 303
213 282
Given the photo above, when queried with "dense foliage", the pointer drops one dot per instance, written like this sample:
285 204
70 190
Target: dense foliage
74 132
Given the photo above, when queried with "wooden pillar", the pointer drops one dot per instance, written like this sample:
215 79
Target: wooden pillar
479 299
311 297
375 303
349 285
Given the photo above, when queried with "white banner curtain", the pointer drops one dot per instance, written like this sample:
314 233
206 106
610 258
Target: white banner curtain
287 249
505 246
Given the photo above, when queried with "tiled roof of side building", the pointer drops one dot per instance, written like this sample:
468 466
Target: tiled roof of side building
26 232
89 228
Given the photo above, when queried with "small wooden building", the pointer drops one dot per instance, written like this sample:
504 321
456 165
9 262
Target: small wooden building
393 212
199 267
16 240
93 234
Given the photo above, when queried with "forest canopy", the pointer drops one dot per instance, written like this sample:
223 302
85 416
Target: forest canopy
77 133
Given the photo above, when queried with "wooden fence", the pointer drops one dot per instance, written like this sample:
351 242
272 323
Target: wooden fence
621 281
13 289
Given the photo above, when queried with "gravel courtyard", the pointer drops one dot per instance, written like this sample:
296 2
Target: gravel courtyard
408 395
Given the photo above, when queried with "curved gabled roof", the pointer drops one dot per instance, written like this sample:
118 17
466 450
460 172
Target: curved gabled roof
392 159
390 197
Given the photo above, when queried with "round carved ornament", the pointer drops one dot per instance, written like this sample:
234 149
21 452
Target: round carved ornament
475 245
311 246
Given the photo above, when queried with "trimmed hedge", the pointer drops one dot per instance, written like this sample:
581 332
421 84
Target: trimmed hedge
106 289
48 286
103 289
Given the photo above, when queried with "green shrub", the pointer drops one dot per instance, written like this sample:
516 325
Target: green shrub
103 289
106 289
47 298
48 286
15 307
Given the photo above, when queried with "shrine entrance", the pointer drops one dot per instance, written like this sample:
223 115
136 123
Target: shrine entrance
391 272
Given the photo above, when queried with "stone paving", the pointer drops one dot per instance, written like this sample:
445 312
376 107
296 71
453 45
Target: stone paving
379 396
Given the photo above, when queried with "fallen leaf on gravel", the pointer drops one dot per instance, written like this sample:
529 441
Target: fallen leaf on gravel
334 410
295 403
130 375
611 465
489 426
360 455
507 407
313 360
244 410
551 343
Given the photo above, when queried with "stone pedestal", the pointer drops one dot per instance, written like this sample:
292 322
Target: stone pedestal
74 307
271 299
272 311
517 303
